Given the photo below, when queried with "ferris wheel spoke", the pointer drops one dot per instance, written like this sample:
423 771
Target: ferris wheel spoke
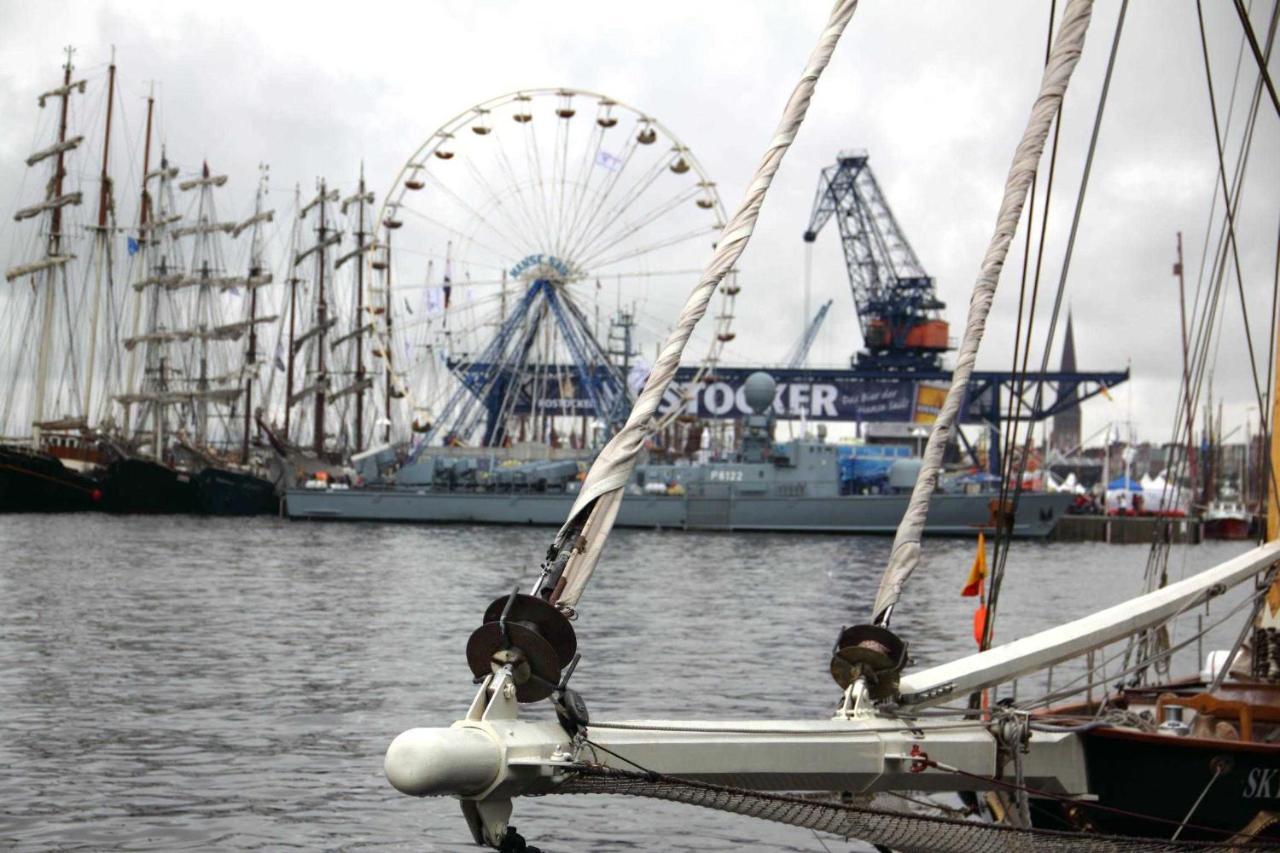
534 157
611 183
481 219
516 228
436 256
450 230
607 241
526 207
562 189
603 196
603 221
582 181
652 247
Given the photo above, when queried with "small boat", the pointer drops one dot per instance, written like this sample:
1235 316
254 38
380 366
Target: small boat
1227 519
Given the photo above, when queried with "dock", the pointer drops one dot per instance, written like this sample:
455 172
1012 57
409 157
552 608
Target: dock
1126 530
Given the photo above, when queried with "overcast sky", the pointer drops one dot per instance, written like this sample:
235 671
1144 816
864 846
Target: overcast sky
938 93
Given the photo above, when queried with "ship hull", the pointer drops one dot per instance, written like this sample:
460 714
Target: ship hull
39 482
146 487
949 515
1148 784
1227 528
222 492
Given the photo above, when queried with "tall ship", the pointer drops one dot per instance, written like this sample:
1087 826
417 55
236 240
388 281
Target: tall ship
60 300
184 441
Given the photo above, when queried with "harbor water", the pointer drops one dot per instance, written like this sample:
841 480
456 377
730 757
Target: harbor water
196 683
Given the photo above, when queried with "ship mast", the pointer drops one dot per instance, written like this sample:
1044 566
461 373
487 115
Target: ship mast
256 278
293 316
387 356
322 319
359 340
361 383
102 245
317 335
53 251
144 209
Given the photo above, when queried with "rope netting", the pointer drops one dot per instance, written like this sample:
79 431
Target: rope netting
898 830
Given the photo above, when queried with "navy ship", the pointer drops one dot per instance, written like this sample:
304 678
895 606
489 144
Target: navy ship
802 485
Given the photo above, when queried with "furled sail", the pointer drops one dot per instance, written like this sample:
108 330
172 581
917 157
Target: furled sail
313 332
298 396
354 388
37 266
331 195
224 282
205 180
169 281
256 219
331 240
366 329
353 253
63 91
44 206
203 228
54 150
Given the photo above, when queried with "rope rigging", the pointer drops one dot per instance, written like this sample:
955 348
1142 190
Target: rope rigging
905 556
1002 553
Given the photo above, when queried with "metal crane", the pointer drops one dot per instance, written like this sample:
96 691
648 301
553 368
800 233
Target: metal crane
898 308
800 352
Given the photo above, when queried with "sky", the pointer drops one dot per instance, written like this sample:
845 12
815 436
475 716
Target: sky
937 93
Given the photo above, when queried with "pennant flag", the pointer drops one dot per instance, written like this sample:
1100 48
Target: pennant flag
448 274
608 161
280 357
978 573
435 300
132 245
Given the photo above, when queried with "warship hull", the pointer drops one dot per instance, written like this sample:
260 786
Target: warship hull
699 509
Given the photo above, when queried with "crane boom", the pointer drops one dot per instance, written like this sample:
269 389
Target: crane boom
898 307
800 352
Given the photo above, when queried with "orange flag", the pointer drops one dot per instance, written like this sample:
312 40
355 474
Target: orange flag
973 586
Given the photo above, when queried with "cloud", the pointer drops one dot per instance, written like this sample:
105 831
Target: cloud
937 92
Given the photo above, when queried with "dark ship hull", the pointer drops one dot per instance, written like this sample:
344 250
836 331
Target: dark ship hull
32 481
223 492
1148 784
134 485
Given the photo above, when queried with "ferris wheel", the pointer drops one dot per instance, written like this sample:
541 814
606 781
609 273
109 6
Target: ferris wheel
530 255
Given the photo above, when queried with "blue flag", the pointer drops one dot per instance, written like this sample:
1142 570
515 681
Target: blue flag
132 244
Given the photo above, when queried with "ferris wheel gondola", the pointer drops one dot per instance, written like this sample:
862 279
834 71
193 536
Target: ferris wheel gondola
512 241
